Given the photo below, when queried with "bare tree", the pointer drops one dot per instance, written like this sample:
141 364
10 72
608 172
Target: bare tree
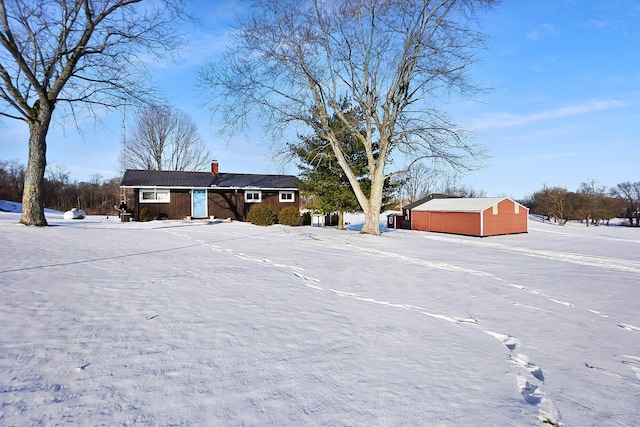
74 52
556 203
417 181
451 187
11 180
630 193
165 139
594 206
297 61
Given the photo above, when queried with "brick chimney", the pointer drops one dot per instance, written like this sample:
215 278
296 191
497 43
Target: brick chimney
214 167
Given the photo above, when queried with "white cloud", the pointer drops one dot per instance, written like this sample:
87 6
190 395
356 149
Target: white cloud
501 120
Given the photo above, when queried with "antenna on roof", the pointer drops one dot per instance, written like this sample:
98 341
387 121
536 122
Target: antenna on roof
123 148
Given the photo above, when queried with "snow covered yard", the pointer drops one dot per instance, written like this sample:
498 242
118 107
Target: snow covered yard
172 323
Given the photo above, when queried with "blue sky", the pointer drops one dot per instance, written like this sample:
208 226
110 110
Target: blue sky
564 108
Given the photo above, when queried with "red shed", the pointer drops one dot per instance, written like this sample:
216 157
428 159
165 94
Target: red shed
483 216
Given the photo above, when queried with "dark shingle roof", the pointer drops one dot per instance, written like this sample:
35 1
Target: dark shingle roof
254 180
146 178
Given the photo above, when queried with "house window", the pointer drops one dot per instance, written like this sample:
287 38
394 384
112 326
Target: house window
154 196
252 196
287 196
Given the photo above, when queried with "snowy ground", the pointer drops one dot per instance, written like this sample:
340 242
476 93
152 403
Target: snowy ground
172 323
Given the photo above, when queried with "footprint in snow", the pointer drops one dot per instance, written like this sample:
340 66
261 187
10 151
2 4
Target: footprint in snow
509 341
533 369
530 392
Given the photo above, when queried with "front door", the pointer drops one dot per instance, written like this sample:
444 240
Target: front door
199 204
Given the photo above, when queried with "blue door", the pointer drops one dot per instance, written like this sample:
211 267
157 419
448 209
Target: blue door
199 204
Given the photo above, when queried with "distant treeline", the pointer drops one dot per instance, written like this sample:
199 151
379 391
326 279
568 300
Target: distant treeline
96 197
592 203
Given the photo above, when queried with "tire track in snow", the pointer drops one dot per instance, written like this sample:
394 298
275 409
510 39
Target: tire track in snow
530 386
313 283
568 257
530 381
480 273
453 268
588 260
634 363
636 369
586 236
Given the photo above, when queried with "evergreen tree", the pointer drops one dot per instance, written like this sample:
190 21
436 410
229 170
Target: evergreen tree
322 176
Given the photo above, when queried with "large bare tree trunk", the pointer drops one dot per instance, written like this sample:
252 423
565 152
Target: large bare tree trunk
372 207
33 197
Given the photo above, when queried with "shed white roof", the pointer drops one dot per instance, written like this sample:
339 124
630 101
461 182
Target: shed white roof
477 204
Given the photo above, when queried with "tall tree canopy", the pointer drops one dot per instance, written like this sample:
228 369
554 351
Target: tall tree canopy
295 61
166 139
75 52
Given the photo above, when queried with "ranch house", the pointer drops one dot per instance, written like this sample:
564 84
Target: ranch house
179 194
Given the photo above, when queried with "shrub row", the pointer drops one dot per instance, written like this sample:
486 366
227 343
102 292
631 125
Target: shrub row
262 214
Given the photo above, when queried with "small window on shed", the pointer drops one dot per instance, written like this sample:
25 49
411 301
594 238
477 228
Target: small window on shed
495 209
516 208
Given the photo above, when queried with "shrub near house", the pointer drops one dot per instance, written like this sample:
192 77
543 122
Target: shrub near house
289 216
261 214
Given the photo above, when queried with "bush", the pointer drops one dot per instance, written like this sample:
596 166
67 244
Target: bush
145 215
289 216
261 214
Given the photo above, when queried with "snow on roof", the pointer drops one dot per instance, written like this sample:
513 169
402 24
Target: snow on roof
477 204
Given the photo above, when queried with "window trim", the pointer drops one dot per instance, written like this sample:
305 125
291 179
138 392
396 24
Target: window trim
252 200
288 192
155 192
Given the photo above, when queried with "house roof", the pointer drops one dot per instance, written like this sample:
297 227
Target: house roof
478 204
181 179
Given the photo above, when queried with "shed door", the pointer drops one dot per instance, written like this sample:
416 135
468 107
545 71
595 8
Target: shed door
199 204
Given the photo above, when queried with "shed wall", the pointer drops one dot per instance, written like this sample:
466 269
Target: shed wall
506 221
447 222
